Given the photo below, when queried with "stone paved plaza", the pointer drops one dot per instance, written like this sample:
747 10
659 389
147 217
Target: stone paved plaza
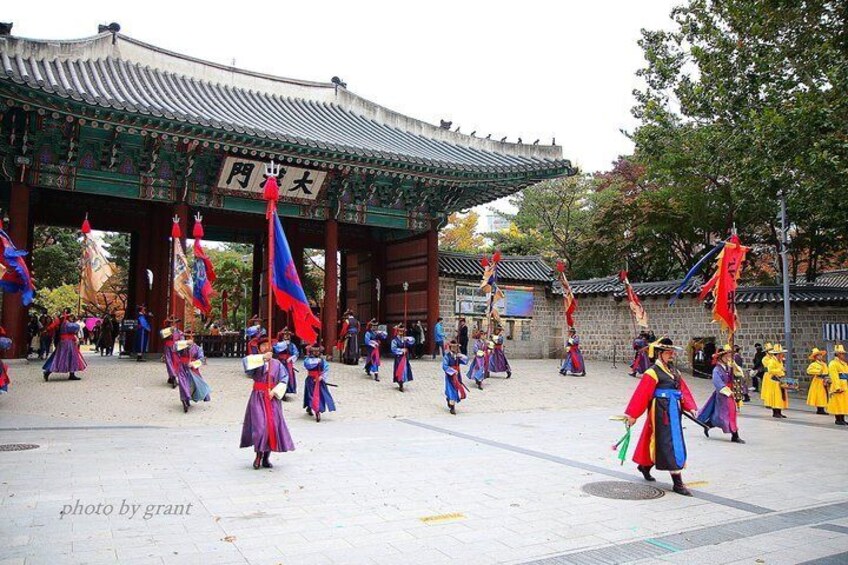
393 478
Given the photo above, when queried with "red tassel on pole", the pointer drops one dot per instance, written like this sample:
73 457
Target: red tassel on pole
86 227
484 261
271 195
496 257
197 232
560 266
176 232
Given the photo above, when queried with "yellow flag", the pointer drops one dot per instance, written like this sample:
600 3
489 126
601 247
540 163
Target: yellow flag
96 269
182 273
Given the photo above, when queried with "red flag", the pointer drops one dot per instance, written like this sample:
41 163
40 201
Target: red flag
636 307
568 300
722 285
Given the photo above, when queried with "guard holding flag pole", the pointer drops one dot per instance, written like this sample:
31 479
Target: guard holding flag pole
264 427
720 409
664 395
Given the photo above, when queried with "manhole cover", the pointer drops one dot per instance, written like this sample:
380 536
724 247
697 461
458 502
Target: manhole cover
17 446
622 490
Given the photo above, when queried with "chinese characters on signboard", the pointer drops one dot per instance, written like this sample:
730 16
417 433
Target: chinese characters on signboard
245 175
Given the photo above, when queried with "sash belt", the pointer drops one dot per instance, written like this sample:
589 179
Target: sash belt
674 397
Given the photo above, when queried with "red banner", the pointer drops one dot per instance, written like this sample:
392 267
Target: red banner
724 282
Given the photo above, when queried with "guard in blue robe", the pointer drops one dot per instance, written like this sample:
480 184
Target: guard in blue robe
401 347
451 365
142 333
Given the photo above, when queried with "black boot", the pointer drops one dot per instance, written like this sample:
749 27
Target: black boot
646 472
840 420
309 410
479 385
776 413
317 416
453 409
185 406
746 398
257 462
46 375
377 377
73 377
266 460
508 374
735 438
679 487
820 410
400 388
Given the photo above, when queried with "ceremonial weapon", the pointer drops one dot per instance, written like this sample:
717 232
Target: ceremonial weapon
697 421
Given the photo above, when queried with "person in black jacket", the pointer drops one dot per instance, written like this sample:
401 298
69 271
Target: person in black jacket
759 369
462 333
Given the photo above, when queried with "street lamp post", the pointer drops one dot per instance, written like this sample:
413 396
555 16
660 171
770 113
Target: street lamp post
784 256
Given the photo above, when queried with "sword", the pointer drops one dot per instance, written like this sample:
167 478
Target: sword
700 423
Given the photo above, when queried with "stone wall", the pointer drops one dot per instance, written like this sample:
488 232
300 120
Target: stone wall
606 330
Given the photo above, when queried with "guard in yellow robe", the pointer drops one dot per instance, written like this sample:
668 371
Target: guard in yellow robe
765 362
819 380
838 371
774 395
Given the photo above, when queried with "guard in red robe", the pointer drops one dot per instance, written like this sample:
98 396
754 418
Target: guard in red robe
663 394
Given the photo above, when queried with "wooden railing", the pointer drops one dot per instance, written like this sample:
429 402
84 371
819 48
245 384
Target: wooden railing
227 345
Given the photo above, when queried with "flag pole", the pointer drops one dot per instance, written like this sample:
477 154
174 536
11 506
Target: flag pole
86 228
270 195
175 237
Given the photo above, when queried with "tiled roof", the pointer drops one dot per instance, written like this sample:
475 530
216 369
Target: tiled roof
530 269
838 278
748 295
128 75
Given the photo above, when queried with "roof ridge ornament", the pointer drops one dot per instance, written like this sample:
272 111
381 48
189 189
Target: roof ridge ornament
112 28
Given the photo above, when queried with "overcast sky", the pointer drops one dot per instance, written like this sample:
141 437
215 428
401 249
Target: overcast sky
531 69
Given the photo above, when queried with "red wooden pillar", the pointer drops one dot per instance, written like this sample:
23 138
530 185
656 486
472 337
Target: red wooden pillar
158 257
19 229
432 284
331 280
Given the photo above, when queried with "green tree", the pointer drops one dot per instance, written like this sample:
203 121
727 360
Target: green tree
56 254
742 99
460 234
54 300
234 271
553 220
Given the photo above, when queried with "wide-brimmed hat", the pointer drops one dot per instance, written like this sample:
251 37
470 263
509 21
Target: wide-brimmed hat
722 350
663 344
816 352
768 347
777 349
839 348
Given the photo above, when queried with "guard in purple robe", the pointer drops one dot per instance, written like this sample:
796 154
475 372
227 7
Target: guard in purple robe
286 352
316 392
373 339
264 427
641 363
573 362
191 383
498 362
479 359
401 346
719 411
66 358
451 365
170 335
5 345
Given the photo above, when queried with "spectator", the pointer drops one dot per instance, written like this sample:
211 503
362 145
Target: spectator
439 339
